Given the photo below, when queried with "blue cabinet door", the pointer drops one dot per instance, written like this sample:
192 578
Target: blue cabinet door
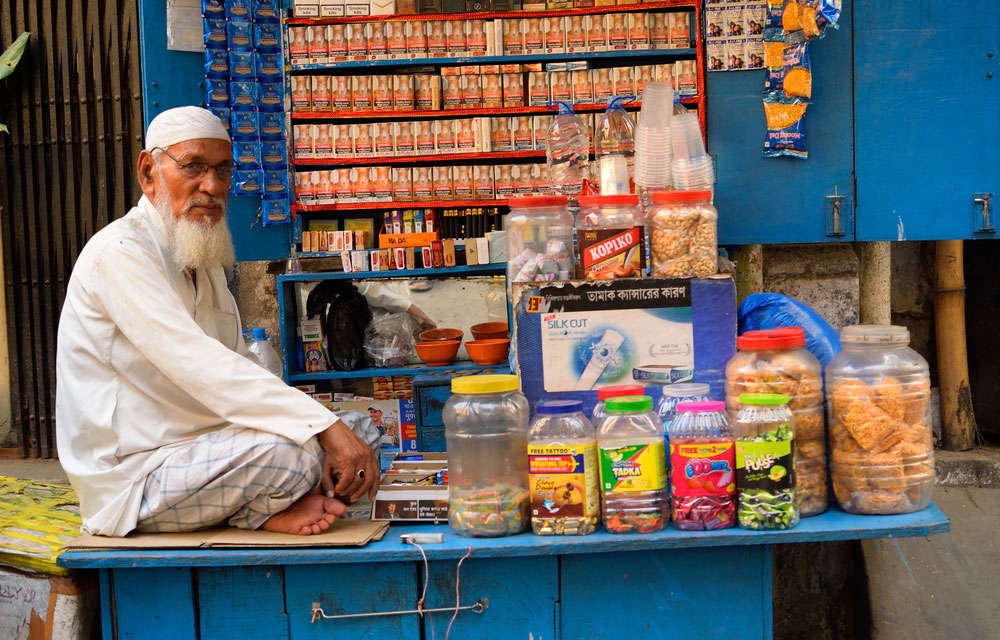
927 91
783 200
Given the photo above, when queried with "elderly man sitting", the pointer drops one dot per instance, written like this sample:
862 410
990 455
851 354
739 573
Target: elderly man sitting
163 421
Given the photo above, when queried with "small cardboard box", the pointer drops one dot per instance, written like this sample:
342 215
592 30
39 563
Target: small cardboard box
409 490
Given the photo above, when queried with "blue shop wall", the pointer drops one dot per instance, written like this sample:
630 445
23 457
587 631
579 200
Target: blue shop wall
904 126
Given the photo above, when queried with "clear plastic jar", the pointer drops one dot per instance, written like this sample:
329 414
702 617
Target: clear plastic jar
683 236
562 462
486 430
539 239
702 462
610 238
776 361
634 497
674 394
878 399
615 391
765 462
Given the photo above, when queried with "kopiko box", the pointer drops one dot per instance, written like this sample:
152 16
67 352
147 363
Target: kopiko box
649 331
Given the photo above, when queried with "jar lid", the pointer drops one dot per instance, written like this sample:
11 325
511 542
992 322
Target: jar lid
875 333
597 201
686 389
629 404
666 197
485 383
558 407
538 201
763 398
617 390
777 338
707 405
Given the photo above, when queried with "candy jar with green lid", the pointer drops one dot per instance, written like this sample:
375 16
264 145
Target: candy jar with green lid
486 430
777 361
765 462
614 391
632 459
878 398
562 461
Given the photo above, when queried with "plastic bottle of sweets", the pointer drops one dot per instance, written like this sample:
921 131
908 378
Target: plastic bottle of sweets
562 463
634 497
702 462
606 393
260 346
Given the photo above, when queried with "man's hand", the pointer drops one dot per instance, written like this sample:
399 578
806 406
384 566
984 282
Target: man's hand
346 456
422 318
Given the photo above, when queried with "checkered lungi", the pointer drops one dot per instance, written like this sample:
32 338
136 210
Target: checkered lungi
235 475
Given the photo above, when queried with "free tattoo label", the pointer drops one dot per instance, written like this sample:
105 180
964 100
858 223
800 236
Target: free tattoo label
703 468
563 480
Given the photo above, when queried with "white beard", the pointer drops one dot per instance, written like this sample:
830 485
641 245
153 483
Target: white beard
193 245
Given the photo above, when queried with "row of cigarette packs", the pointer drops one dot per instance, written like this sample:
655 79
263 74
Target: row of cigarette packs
418 39
484 90
400 139
441 254
415 184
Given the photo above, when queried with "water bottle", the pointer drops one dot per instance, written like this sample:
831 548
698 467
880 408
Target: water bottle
567 150
615 148
260 347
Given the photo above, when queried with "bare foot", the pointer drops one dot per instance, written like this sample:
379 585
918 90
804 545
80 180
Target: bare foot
311 514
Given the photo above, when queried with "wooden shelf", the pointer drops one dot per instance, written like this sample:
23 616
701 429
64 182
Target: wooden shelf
460 367
395 204
493 15
504 59
461 113
440 158
493 269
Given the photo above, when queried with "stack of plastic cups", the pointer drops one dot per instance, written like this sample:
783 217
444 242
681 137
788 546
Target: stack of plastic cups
692 167
653 149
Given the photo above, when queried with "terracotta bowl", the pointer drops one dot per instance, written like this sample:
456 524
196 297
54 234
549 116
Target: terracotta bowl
487 352
490 331
437 353
441 334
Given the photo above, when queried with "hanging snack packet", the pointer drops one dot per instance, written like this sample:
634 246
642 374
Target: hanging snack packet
786 134
246 182
244 125
273 154
269 95
797 82
272 125
818 15
215 33
269 66
791 16
222 113
265 11
266 36
241 65
217 63
213 9
241 93
240 34
773 30
217 92
237 9
274 210
246 153
276 181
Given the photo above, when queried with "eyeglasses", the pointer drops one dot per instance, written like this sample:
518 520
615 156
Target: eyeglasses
197 170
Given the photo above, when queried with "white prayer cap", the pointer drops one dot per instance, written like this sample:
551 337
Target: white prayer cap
181 124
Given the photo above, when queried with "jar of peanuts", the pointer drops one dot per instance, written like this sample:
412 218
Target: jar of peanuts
610 238
683 234
776 361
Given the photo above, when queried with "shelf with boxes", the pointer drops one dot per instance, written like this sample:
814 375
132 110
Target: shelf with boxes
397 204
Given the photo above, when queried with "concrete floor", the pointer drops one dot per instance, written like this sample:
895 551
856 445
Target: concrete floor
35 469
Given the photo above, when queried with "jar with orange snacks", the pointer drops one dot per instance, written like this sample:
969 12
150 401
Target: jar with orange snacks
683 234
776 361
878 403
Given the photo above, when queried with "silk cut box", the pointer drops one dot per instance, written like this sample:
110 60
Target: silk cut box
572 338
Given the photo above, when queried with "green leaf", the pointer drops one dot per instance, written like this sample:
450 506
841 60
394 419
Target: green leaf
13 54
3 128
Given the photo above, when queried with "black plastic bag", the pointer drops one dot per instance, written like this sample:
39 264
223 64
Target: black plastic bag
345 315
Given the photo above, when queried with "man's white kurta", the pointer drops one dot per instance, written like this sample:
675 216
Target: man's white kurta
146 361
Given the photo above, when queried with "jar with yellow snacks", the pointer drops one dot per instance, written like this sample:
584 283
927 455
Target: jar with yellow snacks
878 403
776 361
683 234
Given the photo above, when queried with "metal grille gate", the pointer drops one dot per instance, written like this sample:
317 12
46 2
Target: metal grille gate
74 109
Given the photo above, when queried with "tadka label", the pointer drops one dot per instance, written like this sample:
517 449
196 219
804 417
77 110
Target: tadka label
703 468
563 481
634 467
606 254
765 465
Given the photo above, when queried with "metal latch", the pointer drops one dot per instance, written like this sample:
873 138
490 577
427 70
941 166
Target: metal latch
982 213
835 215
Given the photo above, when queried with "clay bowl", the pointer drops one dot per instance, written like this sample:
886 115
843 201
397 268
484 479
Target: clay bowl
437 353
487 352
441 334
490 331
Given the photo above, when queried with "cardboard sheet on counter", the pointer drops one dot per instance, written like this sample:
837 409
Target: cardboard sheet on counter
343 533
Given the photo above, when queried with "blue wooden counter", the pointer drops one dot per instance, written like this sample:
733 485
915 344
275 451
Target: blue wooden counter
662 585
